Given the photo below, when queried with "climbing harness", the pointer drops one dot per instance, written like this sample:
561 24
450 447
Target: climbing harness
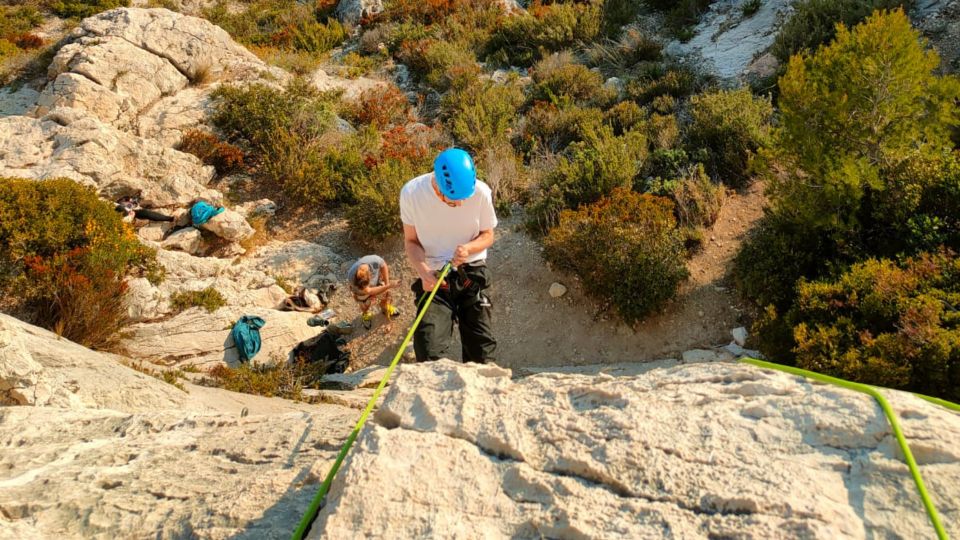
891 417
311 514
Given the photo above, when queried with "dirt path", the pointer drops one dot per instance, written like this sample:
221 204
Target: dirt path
534 329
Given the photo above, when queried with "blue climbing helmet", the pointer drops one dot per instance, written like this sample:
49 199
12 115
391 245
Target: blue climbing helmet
456 174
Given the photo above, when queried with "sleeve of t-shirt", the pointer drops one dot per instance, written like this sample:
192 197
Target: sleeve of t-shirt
488 216
406 213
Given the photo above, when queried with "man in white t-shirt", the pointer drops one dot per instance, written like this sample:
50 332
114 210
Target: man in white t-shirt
448 215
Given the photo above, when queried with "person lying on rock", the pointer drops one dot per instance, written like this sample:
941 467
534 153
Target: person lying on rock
129 206
369 280
448 215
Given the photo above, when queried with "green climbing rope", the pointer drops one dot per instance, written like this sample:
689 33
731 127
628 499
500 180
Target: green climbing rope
891 417
345 449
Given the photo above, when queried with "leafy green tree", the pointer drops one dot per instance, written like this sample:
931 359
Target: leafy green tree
852 114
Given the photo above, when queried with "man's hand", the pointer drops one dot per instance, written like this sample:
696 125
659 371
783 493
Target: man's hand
429 280
460 255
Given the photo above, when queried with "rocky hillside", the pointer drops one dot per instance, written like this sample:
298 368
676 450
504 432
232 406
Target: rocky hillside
701 450
119 95
693 447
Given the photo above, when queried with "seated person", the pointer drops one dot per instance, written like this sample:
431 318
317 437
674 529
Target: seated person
369 280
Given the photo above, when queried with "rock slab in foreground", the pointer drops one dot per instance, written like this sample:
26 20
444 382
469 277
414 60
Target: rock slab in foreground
698 451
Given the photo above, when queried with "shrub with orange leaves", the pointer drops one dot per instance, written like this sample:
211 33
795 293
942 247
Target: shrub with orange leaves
225 157
64 255
381 106
28 41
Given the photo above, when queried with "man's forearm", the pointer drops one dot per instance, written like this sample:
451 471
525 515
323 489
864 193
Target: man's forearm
483 241
417 256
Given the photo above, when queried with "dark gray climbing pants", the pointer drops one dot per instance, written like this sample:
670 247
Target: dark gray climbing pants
461 300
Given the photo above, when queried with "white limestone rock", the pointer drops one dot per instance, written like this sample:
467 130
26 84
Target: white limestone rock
739 335
196 337
352 11
39 368
705 450
229 225
187 240
68 143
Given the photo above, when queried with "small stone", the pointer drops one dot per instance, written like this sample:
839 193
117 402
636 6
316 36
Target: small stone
739 335
187 240
699 314
557 290
155 230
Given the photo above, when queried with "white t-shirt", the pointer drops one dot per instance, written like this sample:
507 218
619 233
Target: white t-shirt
442 228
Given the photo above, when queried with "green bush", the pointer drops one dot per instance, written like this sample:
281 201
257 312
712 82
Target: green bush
777 253
555 78
625 116
855 113
593 169
482 113
284 131
79 9
659 80
884 324
439 64
502 169
376 214
663 130
732 125
861 152
625 249
64 256
616 58
681 14
209 299
751 7
813 22
18 20
252 113
552 127
697 199
525 38
280 379
279 23
619 13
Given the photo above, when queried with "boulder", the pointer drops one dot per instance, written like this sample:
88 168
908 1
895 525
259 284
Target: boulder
230 226
68 143
163 474
110 78
694 451
39 368
169 118
262 207
155 230
187 240
352 88
20 101
195 47
725 43
196 337
19 372
353 11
